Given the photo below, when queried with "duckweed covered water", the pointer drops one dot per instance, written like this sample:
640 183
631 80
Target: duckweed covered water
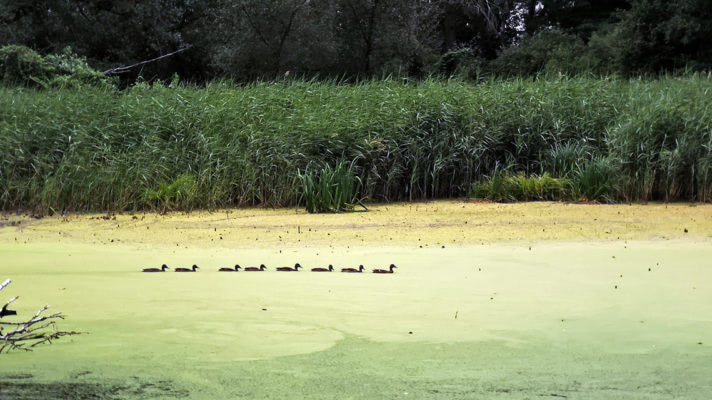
508 319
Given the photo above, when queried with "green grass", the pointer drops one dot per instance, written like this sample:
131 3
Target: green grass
103 149
330 189
504 188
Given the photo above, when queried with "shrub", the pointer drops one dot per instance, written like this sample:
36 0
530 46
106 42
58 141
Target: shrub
21 66
550 51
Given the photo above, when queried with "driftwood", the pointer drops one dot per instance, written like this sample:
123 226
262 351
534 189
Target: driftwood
25 335
127 68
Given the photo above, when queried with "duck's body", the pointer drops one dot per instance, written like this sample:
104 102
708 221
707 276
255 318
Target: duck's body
290 269
261 268
331 268
163 268
195 267
353 270
385 271
4 312
227 269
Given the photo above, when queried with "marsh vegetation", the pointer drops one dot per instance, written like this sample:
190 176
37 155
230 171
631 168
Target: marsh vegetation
182 147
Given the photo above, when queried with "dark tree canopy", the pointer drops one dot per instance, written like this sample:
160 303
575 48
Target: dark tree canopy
264 39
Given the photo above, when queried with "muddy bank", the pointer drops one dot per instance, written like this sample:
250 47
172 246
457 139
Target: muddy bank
412 224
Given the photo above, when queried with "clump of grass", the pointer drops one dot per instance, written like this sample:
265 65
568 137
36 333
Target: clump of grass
594 181
172 196
330 189
505 188
566 158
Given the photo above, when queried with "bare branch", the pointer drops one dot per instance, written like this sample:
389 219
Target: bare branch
31 332
127 68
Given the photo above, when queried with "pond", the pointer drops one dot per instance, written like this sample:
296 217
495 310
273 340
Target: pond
489 300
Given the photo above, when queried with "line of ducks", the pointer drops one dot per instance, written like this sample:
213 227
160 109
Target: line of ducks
262 267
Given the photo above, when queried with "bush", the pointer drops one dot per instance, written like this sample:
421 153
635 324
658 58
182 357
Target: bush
21 66
549 52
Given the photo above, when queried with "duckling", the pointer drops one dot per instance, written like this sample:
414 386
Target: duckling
195 267
226 269
261 268
331 268
288 269
163 268
353 270
4 312
385 271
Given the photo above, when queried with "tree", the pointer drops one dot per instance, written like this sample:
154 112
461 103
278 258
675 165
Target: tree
111 32
659 35
579 17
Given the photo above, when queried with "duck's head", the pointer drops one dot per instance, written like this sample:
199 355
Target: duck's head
164 266
360 267
237 266
331 267
262 266
393 266
297 266
195 267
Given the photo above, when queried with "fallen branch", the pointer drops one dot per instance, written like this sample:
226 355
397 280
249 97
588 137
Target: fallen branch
31 333
127 68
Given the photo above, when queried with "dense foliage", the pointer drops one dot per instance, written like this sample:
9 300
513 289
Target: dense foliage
169 146
355 39
22 66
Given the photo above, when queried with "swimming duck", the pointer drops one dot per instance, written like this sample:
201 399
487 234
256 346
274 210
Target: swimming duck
353 270
227 269
5 312
385 271
195 267
331 268
288 269
261 268
163 268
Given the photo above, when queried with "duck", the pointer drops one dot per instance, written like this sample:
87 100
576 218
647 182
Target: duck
353 270
4 312
331 268
227 269
261 268
195 267
385 271
163 268
289 269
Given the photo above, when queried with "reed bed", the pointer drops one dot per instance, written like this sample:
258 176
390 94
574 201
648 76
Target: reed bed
182 147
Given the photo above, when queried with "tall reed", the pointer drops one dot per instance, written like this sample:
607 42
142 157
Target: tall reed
330 189
103 149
